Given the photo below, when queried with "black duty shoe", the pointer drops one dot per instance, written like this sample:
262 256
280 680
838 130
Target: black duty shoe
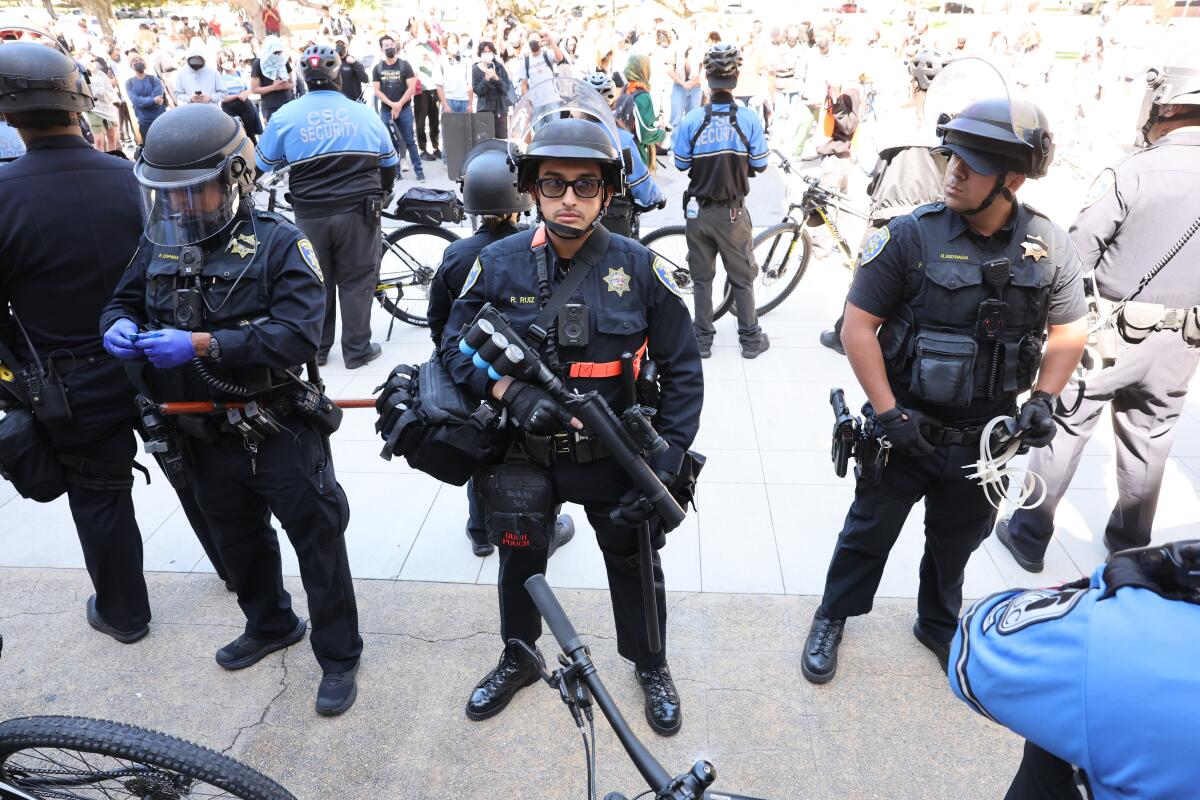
373 353
834 342
322 359
437 154
245 651
337 692
124 637
756 347
939 649
564 532
705 348
482 549
662 701
1005 538
427 157
492 694
820 651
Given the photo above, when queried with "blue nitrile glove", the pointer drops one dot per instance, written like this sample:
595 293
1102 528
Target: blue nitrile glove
167 348
117 341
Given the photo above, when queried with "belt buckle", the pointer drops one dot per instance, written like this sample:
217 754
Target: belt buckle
562 443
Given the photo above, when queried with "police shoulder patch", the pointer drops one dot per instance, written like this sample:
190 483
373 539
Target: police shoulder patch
472 276
1105 181
666 277
1034 606
309 254
874 245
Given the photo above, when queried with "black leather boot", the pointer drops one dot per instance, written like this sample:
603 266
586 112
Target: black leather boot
820 651
564 532
663 711
514 672
941 650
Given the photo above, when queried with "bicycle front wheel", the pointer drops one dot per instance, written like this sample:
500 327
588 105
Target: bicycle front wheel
781 253
671 245
411 256
73 757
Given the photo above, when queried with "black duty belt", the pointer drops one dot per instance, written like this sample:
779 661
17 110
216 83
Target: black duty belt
947 436
707 203
66 362
579 447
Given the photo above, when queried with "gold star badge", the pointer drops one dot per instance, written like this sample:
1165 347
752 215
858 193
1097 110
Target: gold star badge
243 245
618 281
1035 249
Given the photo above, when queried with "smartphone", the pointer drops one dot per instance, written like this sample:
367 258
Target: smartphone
198 93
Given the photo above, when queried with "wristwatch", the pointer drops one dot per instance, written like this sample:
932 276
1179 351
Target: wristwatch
213 352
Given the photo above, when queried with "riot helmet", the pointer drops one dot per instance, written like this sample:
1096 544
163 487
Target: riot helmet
998 135
925 66
602 82
196 170
321 67
34 77
721 64
1177 82
488 188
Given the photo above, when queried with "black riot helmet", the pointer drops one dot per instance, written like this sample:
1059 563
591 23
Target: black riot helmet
34 77
196 170
575 140
487 182
1177 82
1000 134
721 64
321 67
925 66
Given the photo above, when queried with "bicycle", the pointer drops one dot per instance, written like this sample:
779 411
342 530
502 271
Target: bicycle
410 256
578 682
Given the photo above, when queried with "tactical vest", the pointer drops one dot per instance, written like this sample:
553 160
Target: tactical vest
960 339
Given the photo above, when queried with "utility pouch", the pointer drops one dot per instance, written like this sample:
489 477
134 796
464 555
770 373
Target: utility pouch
47 393
1191 327
943 368
519 505
314 406
646 385
372 210
1136 320
895 336
27 460
683 488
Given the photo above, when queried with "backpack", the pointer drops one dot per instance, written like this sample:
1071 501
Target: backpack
709 113
627 112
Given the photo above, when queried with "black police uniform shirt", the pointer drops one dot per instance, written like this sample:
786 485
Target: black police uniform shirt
393 79
264 292
1138 209
935 248
631 299
70 220
448 281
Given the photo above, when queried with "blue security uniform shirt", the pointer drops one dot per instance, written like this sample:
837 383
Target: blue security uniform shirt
642 188
335 148
720 163
1111 686
11 144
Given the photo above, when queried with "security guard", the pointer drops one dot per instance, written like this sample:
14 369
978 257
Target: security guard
225 303
722 146
1139 210
490 194
343 164
51 189
1100 674
642 192
964 291
628 304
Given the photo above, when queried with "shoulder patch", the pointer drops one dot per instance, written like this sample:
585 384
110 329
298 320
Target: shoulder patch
472 276
310 257
1104 182
874 245
665 277
1031 607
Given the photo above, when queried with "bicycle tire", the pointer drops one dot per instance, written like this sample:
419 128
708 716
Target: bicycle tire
422 278
799 233
168 755
676 258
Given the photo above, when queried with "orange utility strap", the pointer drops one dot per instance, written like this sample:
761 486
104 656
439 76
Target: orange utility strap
539 237
607 369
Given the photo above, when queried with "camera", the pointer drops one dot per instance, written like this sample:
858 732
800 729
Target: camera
188 315
573 325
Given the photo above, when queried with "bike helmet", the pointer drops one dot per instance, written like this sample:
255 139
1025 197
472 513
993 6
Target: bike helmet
602 82
321 67
925 66
721 64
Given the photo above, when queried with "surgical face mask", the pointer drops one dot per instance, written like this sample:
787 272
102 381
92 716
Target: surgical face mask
487 56
341 50
196 63
138 67
389 52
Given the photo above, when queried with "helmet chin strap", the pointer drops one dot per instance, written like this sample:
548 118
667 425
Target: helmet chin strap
997 190
568 232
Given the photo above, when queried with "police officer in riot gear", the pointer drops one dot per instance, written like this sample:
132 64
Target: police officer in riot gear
343 166
628 304
225 303
490 194
1140 209
945 326
53 188
722 146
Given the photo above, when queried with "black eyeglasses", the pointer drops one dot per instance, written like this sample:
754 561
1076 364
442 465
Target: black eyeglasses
555 188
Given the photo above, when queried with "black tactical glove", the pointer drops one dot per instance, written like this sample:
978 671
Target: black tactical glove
534 409
903 429
1036 420
394 399
635 508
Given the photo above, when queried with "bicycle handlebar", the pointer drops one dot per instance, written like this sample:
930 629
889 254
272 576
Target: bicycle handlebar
552 611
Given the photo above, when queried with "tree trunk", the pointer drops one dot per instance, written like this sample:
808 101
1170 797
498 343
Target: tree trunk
50 8
101 10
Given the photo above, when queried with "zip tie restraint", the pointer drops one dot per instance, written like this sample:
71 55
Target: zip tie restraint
990 470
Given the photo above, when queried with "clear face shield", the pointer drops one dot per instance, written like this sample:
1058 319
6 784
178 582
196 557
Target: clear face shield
961 82
559 98
185 213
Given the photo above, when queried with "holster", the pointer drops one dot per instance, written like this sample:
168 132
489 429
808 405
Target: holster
519 504
683 488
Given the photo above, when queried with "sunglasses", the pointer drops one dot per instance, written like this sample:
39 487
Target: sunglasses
554 188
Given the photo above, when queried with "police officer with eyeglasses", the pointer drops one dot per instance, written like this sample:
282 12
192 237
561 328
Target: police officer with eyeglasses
226 303
625 303
955 310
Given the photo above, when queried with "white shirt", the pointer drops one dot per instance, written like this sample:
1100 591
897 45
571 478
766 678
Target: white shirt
541 66
456 78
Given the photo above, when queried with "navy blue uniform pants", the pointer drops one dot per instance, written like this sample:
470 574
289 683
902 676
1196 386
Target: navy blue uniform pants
594 485
958 518
1043 776
291 477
